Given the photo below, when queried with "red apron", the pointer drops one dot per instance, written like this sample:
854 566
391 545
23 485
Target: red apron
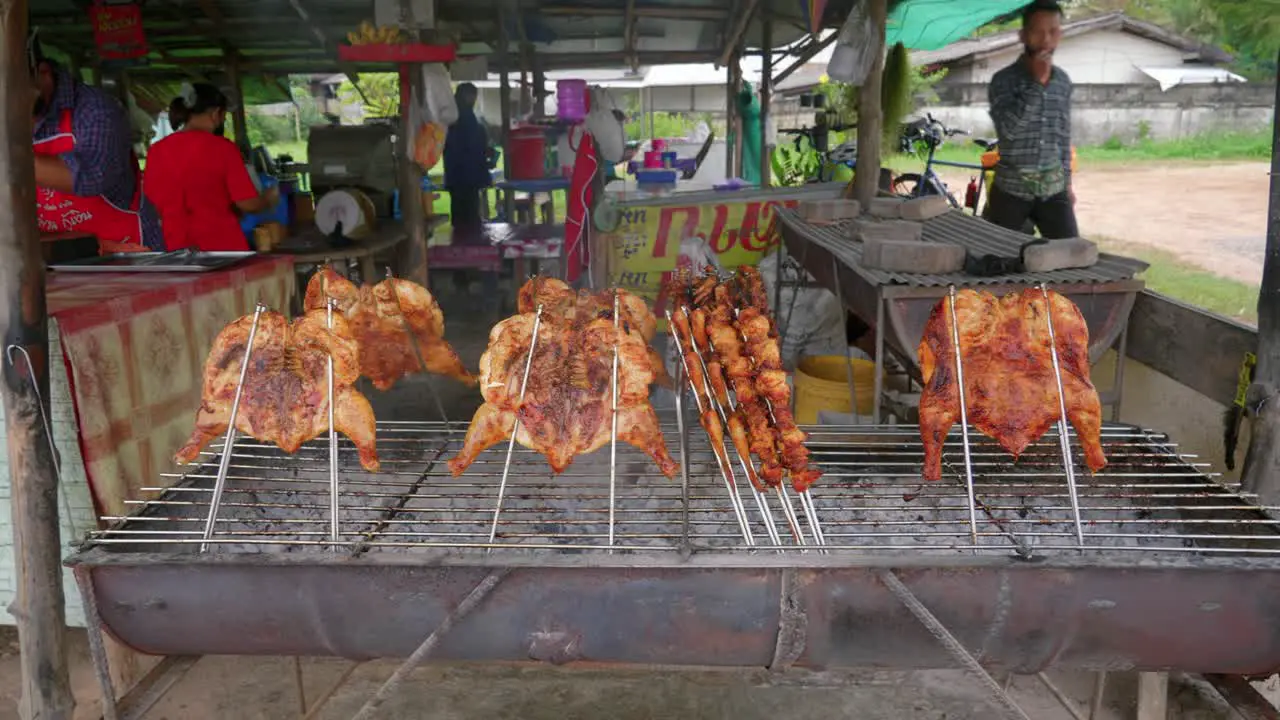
117 229
577 220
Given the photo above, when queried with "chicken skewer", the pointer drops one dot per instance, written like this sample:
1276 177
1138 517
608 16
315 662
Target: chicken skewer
770 382
707 417
718 392
763 345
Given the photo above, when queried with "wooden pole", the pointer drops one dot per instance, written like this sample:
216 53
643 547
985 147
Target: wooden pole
39 609
738 127
238 115
729 91
413 258
1261 472
766 96
504 101
870 116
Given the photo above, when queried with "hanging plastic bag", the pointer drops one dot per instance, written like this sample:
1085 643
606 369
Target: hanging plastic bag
856 48
810 318
438 100
605 126
428 145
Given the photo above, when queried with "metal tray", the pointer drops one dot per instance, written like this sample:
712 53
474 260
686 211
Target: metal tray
154 262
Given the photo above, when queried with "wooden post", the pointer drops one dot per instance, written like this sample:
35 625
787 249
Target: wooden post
1261 473
413 256
730 91
738 127
870 116
504 101
39 609
766 96
238 115
1153 696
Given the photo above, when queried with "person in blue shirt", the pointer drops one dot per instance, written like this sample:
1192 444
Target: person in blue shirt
466 161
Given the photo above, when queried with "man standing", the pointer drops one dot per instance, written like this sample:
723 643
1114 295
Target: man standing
87 176
1031 108
466 161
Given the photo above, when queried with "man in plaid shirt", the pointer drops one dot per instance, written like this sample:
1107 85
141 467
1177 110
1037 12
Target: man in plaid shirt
87 176
1031 109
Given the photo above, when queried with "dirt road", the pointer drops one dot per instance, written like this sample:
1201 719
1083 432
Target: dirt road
1210 215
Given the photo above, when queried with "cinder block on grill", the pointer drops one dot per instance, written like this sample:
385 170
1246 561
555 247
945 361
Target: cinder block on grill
827 211
865 229
912 256
1060 255
923 208
885 207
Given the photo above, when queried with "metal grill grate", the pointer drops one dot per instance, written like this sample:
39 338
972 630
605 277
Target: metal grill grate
870 500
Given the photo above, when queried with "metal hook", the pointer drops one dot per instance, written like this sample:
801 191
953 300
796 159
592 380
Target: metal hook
48 431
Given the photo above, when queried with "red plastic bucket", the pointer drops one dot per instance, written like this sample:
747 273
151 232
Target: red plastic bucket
527 146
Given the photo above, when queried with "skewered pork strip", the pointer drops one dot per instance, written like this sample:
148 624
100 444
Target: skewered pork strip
285 397
1011 391
709 418
387 320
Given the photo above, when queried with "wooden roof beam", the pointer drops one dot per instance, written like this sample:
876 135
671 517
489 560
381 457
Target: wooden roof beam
740 28
656 13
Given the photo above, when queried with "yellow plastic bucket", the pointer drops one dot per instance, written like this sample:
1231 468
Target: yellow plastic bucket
822 383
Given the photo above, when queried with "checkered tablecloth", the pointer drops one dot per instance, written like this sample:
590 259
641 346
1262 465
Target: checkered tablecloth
135 346
532 248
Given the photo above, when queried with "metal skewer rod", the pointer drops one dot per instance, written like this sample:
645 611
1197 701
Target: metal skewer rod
788 510
613 437
417 353
225 462
748 466
1064 440
515 426
726 472
333 434
964 416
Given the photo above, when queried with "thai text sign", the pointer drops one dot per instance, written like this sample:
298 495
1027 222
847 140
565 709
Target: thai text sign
117 30
646 245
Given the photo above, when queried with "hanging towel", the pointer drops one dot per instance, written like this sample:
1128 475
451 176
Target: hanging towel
577 222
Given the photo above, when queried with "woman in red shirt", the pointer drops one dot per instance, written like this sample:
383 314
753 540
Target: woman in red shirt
196 178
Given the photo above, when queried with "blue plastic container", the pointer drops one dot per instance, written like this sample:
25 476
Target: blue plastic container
280 213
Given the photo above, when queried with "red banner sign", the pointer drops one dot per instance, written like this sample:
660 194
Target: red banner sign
117 31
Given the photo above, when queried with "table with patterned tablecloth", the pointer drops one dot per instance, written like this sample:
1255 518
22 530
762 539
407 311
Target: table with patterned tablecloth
134 346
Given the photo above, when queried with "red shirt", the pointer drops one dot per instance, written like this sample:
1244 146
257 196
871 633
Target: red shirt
194 178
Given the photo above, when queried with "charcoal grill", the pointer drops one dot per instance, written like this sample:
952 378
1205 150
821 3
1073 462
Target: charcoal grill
1000 565
900 303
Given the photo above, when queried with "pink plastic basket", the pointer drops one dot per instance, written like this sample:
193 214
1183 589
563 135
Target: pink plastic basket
571 100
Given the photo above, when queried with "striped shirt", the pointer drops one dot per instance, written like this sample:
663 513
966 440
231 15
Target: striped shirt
102 163
1033 124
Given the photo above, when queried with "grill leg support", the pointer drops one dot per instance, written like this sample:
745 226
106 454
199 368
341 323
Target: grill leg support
949 641
402 673
1153 696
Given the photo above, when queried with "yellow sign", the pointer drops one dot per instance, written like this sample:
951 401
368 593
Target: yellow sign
645 247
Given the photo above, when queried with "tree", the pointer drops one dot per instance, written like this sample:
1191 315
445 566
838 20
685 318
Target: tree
382 91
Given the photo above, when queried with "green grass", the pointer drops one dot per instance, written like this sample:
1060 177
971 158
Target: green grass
1168 275
1208 147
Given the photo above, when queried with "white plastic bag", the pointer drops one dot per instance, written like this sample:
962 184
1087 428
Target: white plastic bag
695 254
437 100
854 52
810 318
604 125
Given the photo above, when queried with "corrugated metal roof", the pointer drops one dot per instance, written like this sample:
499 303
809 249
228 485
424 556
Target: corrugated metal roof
976 236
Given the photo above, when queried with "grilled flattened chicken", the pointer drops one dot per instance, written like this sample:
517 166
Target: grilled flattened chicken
285 396
1011 392
388 319
567 406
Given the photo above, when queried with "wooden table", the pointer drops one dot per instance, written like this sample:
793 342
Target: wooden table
310 247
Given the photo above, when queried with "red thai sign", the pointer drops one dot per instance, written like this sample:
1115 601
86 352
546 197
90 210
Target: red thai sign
117 31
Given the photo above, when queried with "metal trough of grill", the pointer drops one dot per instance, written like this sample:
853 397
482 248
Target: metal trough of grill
1176 571
900 303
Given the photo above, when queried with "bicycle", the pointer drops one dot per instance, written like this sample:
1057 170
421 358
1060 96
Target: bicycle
827 158
933 133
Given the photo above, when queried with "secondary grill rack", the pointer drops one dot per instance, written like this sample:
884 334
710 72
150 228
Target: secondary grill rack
871 500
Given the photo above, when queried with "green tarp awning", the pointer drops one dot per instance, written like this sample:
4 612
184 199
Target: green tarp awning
934 24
